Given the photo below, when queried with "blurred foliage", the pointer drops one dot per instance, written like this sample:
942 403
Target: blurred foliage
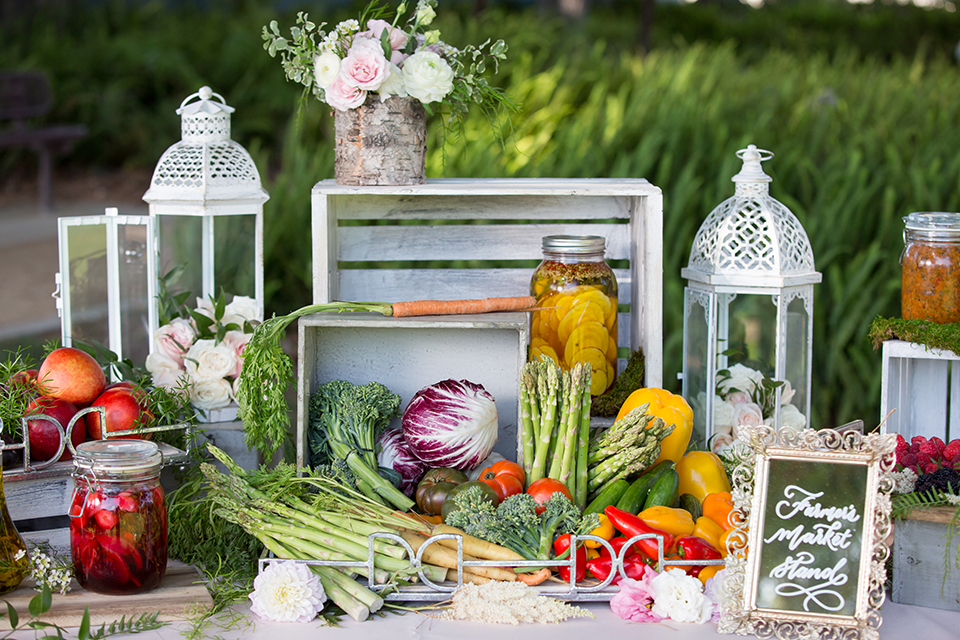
857 102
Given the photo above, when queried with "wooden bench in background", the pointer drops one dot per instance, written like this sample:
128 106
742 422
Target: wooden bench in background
24 98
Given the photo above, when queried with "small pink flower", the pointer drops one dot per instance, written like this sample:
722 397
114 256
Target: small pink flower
173 340
635 598
398 39
365 66
344 97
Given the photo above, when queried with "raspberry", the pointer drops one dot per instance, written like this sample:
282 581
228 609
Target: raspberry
951 451
939 444
930 468
909 460
902 446
917 440
930 449
914 449
923 459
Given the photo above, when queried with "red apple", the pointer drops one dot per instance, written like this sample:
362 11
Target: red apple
123 407
44 436
72 375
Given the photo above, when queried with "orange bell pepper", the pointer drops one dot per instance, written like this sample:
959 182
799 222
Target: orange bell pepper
719 508
723 543
708 530
676 522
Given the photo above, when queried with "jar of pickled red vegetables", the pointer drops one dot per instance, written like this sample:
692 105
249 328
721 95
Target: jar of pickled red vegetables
931 267
118 519
576 320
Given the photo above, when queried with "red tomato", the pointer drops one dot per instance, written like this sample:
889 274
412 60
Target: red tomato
506 478
542 489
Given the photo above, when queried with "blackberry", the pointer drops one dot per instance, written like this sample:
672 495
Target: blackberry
946 479
924 483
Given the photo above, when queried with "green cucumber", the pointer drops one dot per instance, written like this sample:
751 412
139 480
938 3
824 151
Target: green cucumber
663 493
609 495
689 502
634 497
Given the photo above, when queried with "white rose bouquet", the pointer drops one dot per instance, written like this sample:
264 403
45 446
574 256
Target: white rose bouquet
379 56
204 347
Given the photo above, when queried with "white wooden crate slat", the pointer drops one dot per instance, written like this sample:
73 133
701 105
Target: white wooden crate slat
501 207
919 385
524 200
468 242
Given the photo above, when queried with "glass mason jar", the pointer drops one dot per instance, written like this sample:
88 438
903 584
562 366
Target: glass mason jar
118 519
931 267
13 552
577 291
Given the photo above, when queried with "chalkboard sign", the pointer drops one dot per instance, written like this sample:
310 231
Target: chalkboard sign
812 548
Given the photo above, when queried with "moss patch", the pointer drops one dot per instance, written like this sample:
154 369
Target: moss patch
608 405
930 334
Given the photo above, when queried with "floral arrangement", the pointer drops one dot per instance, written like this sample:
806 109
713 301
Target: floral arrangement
670 595
375 56
745 396
202 350
287 591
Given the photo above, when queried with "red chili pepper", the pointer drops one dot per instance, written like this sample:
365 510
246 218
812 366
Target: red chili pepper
633 566
630 526
560 547
696 548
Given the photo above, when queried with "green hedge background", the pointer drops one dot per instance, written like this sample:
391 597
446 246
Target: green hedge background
858 102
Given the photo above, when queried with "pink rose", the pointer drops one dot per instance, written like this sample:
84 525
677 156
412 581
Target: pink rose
635 598
738 397
748 413
173 340
237 341
398 39
365 66
343 97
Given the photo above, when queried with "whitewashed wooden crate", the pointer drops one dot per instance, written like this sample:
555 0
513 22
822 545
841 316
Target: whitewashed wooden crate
407 354
920 557
489 219
40 500
921 386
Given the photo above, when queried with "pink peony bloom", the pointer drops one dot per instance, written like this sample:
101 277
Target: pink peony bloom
635 599
398 39
365 66
344 97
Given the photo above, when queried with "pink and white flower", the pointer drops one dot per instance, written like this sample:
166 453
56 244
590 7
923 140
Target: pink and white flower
344 97
634 600
174 339
748 413
164 370
237 342
398 38
365 66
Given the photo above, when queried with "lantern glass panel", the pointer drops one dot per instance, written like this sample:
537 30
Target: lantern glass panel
696 340
91 266
218 253
750 338
797 358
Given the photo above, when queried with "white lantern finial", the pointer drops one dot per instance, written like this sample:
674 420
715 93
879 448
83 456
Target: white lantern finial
752 171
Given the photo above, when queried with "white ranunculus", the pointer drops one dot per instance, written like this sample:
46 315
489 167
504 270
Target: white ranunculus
680 597
174 339
791 418
722 413
748 413
207 360
287 591
787 392
164 370
211 394
242 307
326 68
742 378
393 85
427 77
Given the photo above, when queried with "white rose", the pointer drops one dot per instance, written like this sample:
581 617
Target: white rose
393 85
173 340
722 413
722 441
242 308
748 413
791 418
680 597
741 378
207 360
787 392
211 394
326 68
427 77
205 307
235 388
164 370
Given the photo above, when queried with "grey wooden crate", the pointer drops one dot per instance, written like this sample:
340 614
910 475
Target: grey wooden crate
919 554
921 386
407 354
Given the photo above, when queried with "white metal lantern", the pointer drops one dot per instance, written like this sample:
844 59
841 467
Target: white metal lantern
207 199
748 312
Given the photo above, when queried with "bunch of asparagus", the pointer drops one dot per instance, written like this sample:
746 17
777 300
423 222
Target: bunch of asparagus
627 448
555 424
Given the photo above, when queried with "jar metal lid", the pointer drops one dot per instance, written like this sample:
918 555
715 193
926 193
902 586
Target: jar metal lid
574 244
934 224
118 456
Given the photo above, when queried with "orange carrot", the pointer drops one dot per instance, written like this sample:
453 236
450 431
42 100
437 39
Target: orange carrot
535 578
457 307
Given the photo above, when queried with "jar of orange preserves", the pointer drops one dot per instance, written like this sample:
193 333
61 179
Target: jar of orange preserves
931 267
576 320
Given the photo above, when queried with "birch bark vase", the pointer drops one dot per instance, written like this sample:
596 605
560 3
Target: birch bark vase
381 143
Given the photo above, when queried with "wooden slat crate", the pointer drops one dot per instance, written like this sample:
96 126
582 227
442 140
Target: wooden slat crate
919 555
480 220
922 387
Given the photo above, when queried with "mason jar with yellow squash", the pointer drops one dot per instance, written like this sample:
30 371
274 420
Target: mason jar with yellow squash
576 317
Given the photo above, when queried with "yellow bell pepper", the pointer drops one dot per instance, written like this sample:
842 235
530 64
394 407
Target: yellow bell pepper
701 473
673 410
708 530
605 531
676 522
708 572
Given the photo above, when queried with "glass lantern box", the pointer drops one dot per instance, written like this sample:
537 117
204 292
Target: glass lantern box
748 309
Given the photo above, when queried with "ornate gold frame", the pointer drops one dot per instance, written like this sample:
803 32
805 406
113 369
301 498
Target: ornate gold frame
738 611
